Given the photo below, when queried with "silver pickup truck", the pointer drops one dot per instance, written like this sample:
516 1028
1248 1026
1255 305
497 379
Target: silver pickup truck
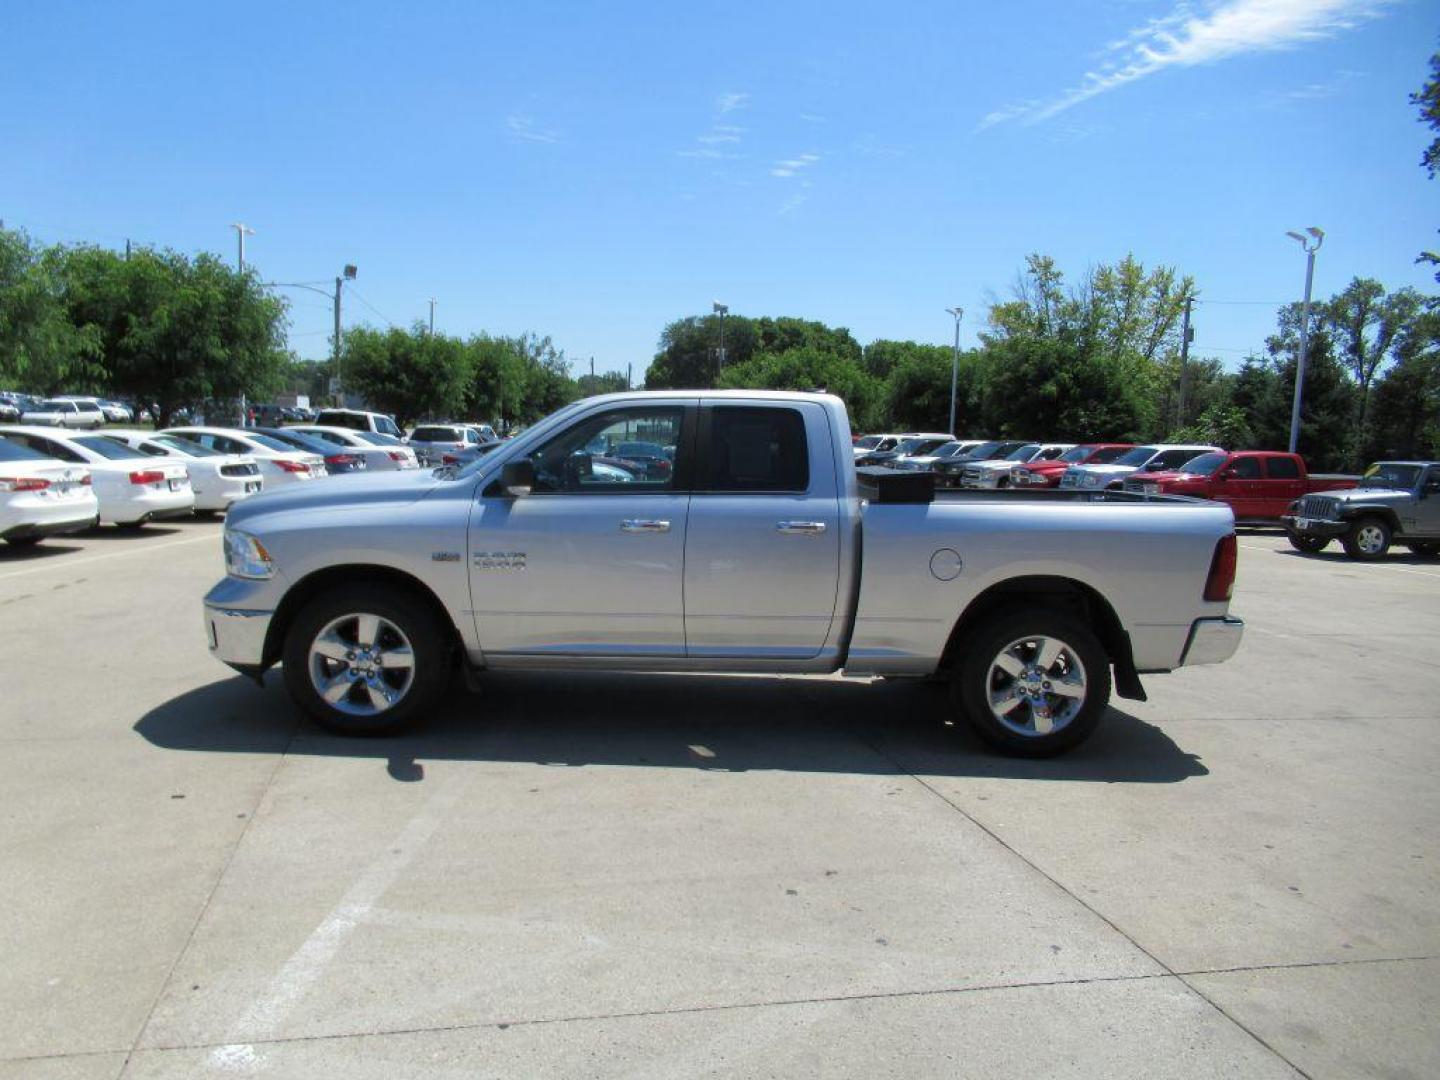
748 543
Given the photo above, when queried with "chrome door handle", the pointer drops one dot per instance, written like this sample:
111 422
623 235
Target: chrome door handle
643 525
805 528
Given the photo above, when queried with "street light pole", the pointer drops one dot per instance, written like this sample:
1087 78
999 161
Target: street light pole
242 231
1318 236
432 316
722 310
959 313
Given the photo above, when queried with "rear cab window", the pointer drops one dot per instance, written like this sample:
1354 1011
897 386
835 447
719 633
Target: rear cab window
755 448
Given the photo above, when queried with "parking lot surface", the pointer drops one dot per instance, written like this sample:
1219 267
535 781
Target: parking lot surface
664 876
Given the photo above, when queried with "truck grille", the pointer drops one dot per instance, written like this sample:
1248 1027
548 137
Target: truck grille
1317 506
239 470
970 478
1070 479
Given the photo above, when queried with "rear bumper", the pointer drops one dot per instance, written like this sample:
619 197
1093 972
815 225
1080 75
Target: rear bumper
33 529
1213 641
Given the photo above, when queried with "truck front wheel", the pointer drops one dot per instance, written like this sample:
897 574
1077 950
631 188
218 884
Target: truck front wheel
1369 538
366 660
1308 544
1033 683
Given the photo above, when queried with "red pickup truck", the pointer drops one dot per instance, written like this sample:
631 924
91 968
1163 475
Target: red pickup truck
1258 485
1046 474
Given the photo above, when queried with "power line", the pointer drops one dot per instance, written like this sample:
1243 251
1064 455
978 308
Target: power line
1247 303
356 293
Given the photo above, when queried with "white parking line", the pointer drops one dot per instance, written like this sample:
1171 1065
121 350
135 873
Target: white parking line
59 562
1375 566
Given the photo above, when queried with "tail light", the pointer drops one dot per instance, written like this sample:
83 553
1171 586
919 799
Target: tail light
23 483
85 480
1221 582
397 455
292 466
147 476
449 459
341 459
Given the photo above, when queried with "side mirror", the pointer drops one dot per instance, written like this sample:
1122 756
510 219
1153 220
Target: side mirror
518 478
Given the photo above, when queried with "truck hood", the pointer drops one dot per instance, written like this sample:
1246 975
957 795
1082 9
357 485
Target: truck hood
1367 495
400 488
1104 470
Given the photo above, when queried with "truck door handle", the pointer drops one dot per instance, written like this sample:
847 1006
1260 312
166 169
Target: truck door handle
804 528
644 525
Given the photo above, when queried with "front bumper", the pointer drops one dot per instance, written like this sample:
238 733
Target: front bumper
234 630
1213 641
1314 526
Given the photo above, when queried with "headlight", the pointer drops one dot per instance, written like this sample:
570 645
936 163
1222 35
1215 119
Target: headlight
246 557
1019 476
1091 480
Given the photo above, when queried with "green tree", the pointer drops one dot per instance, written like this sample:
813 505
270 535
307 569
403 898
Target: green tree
689 354
809 367
1405 422
917 390
1428 99
1220 424
174 330
40 348
1034 387
1365 325
610 382
411 373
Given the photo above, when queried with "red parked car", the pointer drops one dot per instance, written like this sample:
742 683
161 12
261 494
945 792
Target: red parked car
1046 474
1258 485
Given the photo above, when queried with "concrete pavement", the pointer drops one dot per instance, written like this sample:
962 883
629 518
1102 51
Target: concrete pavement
674 876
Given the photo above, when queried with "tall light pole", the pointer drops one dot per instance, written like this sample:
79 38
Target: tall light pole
1311 245
346 274
959 313
432 316
722 310
242 231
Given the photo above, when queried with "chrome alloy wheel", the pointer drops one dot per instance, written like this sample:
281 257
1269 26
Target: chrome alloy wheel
1036 685
1370 539
361 664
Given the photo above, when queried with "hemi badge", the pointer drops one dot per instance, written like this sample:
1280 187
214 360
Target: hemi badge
445 556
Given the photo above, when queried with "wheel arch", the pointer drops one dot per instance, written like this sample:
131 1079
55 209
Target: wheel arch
313 584
1063 594
1386 514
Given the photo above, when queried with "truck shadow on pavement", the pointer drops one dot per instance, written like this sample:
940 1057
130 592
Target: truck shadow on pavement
710 722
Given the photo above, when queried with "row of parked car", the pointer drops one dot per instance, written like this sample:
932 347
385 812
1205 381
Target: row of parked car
1393 501
67 410
55 480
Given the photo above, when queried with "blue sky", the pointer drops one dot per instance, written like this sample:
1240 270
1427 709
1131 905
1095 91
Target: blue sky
594 171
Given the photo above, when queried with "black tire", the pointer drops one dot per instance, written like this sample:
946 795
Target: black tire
1368 538
24 541
1308 544
1426 549
1015 634
429 645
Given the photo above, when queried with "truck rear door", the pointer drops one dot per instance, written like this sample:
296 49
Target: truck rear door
762 553
1283 485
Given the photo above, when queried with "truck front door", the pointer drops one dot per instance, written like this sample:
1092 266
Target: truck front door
1427 506
762 558
590 563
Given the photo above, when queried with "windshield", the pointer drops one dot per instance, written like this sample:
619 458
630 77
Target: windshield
267 442
378 438
949 450
106 448
1204 465
1024 453
1383 474
1075 453
1173 459
869 442
57 406
983 451
1136 457
185 446
1107 455
436 434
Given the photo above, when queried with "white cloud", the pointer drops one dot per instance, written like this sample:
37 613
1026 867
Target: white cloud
730 102
523 129
1187 37
791 166
791 203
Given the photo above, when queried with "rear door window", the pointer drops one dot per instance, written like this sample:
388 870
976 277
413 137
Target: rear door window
1282 468
756 449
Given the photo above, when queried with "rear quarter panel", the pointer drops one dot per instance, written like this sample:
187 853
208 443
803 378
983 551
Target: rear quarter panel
1148 561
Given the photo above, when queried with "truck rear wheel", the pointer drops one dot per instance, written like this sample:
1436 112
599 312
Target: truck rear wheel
1033 683
366 660
1368 538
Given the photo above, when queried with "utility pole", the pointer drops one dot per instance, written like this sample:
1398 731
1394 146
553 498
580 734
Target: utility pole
242 231
628 369
432 316
127 249
1186 334
1318 235
722 310
959 313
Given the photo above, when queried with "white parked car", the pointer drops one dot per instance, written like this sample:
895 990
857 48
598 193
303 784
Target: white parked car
1157 457
113 411
279 464
59 412
357 420
377 450
218 479
42 496
132 489
997 473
